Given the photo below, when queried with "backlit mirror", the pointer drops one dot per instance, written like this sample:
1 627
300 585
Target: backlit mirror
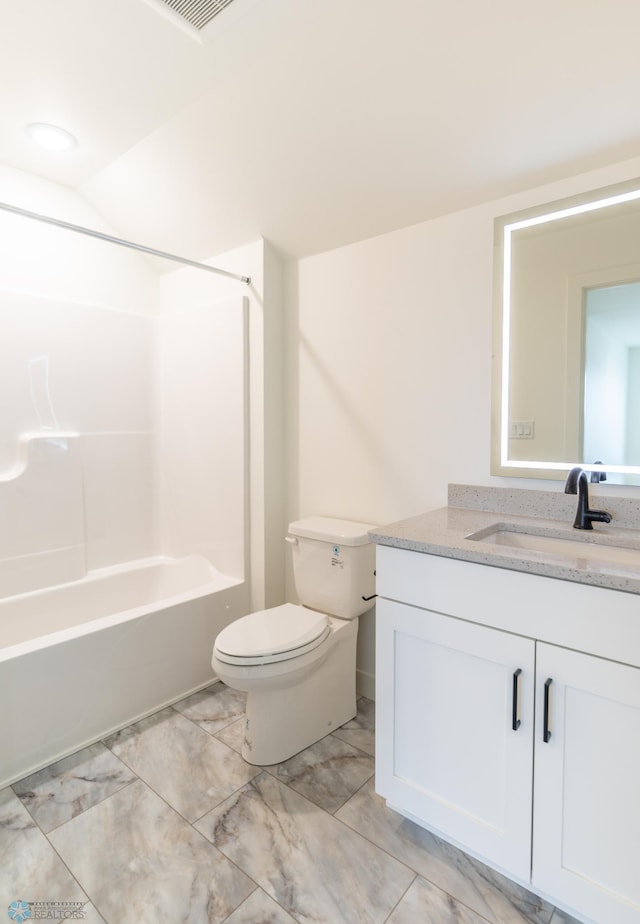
567 338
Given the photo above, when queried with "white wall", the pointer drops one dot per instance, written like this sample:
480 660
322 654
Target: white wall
389 341
40 259
389 368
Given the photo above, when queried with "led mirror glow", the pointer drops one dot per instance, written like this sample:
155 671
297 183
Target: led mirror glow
569 316
51 137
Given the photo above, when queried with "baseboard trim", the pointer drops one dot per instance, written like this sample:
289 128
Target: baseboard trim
366 684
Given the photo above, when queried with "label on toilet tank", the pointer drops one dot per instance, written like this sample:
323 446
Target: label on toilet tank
336 560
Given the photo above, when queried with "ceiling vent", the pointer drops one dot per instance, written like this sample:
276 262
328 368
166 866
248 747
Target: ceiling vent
197 12
194 13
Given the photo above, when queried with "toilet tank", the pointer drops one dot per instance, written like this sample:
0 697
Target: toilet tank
333 565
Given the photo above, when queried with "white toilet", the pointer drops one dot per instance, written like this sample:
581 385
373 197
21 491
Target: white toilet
297 663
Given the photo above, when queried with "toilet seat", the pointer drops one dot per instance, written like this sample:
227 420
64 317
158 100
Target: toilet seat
268 636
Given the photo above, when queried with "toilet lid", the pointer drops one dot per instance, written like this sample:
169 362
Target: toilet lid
275 634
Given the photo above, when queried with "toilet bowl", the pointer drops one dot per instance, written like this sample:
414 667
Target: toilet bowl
294 697
297 662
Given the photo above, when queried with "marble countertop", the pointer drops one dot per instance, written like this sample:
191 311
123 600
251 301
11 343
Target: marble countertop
445 532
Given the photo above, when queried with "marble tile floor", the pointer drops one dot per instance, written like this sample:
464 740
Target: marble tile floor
165 822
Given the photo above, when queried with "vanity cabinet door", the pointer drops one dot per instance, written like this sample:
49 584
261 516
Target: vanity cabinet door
447 751
586 829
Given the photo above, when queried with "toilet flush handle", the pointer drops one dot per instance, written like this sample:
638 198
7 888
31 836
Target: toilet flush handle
292 540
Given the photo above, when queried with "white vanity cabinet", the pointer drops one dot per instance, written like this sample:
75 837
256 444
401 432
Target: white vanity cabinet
508 721
455 762
586 824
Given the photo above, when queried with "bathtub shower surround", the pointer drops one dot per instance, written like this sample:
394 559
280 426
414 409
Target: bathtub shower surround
87 419
81 660
122 513
142 422
200 390
41 511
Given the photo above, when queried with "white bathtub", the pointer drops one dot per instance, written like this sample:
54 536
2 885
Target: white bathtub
81 660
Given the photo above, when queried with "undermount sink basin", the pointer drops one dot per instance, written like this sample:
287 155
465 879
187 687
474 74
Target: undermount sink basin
584 550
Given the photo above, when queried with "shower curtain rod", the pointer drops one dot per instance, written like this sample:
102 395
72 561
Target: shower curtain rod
118 240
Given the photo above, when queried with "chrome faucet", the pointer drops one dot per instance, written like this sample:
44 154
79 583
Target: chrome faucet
578 483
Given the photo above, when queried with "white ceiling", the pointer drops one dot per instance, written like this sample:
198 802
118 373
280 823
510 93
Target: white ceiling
315 123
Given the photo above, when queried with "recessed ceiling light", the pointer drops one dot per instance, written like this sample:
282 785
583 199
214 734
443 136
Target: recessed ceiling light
51 136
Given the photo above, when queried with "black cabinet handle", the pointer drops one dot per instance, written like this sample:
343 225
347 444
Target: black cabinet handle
546 731
515 720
